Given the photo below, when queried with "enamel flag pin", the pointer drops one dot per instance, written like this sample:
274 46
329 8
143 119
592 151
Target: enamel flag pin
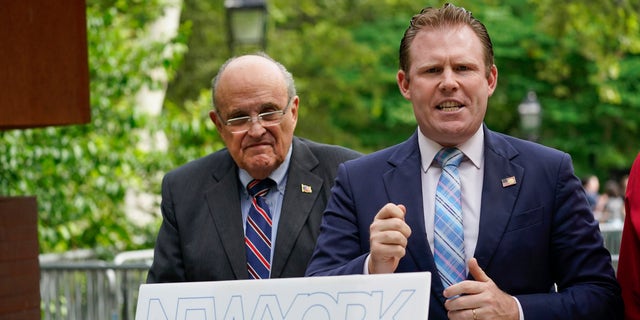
305 188
510 181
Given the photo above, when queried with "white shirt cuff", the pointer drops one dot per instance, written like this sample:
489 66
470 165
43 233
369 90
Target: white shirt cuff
521 317
365 268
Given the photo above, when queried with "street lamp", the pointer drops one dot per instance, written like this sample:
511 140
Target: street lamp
530 115
246 23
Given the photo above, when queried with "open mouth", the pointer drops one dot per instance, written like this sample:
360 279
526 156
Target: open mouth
449 106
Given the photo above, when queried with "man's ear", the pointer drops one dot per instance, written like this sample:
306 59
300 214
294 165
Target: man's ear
492 80
295 103
213 115
403 84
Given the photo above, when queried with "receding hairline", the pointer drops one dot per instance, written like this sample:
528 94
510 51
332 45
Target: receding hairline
287 77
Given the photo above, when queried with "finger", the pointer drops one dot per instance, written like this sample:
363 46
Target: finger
391 210
464 288
406 230
391 237
468 287
477 272
391 218
387 249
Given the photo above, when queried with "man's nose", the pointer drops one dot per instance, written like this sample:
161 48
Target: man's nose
449 80
255 127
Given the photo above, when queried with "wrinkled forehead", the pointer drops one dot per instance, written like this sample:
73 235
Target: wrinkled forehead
250 80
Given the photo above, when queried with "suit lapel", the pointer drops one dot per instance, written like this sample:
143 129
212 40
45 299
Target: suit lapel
297 204
227 216
498 198
404 185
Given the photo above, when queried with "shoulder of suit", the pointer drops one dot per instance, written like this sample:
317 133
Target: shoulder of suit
320 149
220 159
510 146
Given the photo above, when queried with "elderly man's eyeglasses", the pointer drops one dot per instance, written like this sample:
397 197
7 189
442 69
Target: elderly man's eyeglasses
266 119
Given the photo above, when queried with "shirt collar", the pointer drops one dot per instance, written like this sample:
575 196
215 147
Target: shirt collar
472 149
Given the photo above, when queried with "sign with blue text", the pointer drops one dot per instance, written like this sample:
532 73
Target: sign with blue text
361 297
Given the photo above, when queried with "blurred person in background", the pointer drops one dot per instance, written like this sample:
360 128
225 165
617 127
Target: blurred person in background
591 186
613 211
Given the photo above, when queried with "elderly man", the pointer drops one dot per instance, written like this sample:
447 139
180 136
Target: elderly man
253 209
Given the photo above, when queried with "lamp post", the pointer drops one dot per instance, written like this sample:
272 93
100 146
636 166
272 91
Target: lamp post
246 23
530 115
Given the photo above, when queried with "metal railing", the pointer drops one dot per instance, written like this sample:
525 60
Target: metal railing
612 235
79 288
91 289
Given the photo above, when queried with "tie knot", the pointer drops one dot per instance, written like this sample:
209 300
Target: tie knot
449 157
259 188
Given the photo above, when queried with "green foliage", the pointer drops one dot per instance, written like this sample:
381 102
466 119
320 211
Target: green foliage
189 132
81 174
582 59
589 98
343 55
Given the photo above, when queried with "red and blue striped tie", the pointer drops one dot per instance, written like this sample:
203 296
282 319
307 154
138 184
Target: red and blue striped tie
258 230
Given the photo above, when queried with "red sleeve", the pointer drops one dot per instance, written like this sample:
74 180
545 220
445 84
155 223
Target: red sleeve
629 260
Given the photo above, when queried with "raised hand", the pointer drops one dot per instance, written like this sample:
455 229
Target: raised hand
388 238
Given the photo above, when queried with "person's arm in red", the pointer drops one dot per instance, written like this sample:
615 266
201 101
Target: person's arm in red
629 261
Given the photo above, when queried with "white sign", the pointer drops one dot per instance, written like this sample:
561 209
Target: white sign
361 297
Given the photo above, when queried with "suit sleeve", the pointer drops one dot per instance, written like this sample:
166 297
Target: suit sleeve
580 264
338 249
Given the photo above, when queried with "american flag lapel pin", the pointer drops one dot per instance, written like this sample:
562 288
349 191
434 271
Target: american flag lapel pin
305 188
509 181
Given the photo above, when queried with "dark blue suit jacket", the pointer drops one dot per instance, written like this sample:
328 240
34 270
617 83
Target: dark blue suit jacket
533 234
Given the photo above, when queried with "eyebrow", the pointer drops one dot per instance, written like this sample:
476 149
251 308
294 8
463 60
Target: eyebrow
243 113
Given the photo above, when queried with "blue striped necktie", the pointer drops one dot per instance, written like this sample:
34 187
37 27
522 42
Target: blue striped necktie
257 237
449 235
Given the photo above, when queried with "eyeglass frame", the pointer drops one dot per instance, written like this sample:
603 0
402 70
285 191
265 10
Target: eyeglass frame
257 118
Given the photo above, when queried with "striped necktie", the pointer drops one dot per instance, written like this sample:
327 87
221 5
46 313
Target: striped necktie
449 235
258 230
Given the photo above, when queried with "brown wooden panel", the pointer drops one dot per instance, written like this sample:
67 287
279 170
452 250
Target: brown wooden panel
14 284
20 249
16 268
44 70
23 315
19 267
20 304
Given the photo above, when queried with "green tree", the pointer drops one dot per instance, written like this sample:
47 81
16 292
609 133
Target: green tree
589 69
80 174
576 56
582 60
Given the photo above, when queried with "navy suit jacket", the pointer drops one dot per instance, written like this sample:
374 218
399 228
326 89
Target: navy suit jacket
533 234
201 237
